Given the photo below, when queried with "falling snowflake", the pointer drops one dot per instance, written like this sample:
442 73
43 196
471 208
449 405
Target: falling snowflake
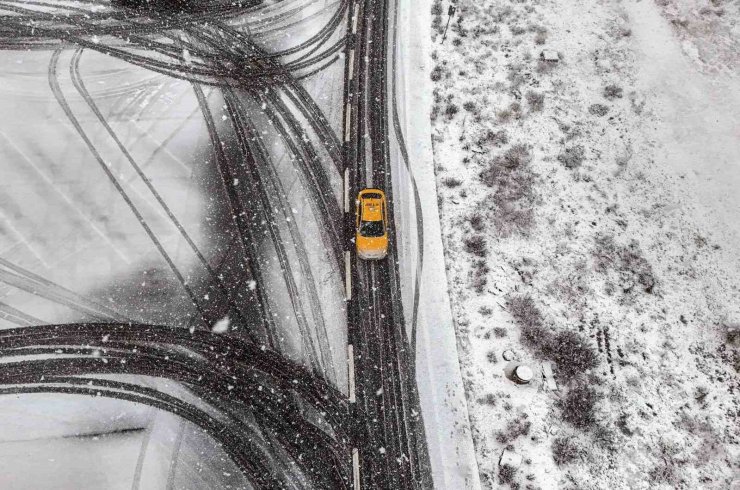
221 326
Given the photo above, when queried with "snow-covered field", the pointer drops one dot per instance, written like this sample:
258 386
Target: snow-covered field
594 196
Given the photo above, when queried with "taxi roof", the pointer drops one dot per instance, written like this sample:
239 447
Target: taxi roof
371 205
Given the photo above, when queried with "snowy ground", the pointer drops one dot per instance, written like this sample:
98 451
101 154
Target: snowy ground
595 195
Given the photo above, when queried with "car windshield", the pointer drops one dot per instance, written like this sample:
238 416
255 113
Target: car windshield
371 228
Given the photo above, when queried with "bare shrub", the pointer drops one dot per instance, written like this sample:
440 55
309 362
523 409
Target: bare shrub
571 352
489 399
504 115
598 110
499 332
664 474
578 407
516 156
612 92
476 245
516 428
451 110
437 8
477 222
513 180
516 109
572 157
517 30
479 276
667 471
501 14
732 334
506 474
451 182
436 74
540 38
529 318
470 106
630 266
564 450
512 219
496 138
535 100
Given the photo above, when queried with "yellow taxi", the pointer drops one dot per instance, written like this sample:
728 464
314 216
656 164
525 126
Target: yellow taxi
371 234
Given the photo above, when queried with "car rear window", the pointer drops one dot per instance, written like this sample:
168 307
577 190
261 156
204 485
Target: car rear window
371 229
371 195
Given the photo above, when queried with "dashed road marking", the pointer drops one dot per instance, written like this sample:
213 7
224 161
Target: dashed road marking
347 276
356 468
351 369
346 190
347 121
351 64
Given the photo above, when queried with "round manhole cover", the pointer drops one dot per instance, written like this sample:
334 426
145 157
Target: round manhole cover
523 374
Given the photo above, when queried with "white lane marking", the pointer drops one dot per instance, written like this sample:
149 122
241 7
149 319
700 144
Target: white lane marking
354 22
347 121
351 64
347 276
356 468
346 190
351 369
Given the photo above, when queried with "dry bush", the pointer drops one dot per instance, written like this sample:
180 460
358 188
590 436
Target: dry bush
499 15
516 156
529 318
495 138
630 266
517 30
502 169
667 471
451 182
612 92
578 407
451 110
513 198
512 218
516 428
489 399
565 450
479 276
504 115
476 245
477 222
506 474
598 110
571 352
535 100
436 74
572 157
